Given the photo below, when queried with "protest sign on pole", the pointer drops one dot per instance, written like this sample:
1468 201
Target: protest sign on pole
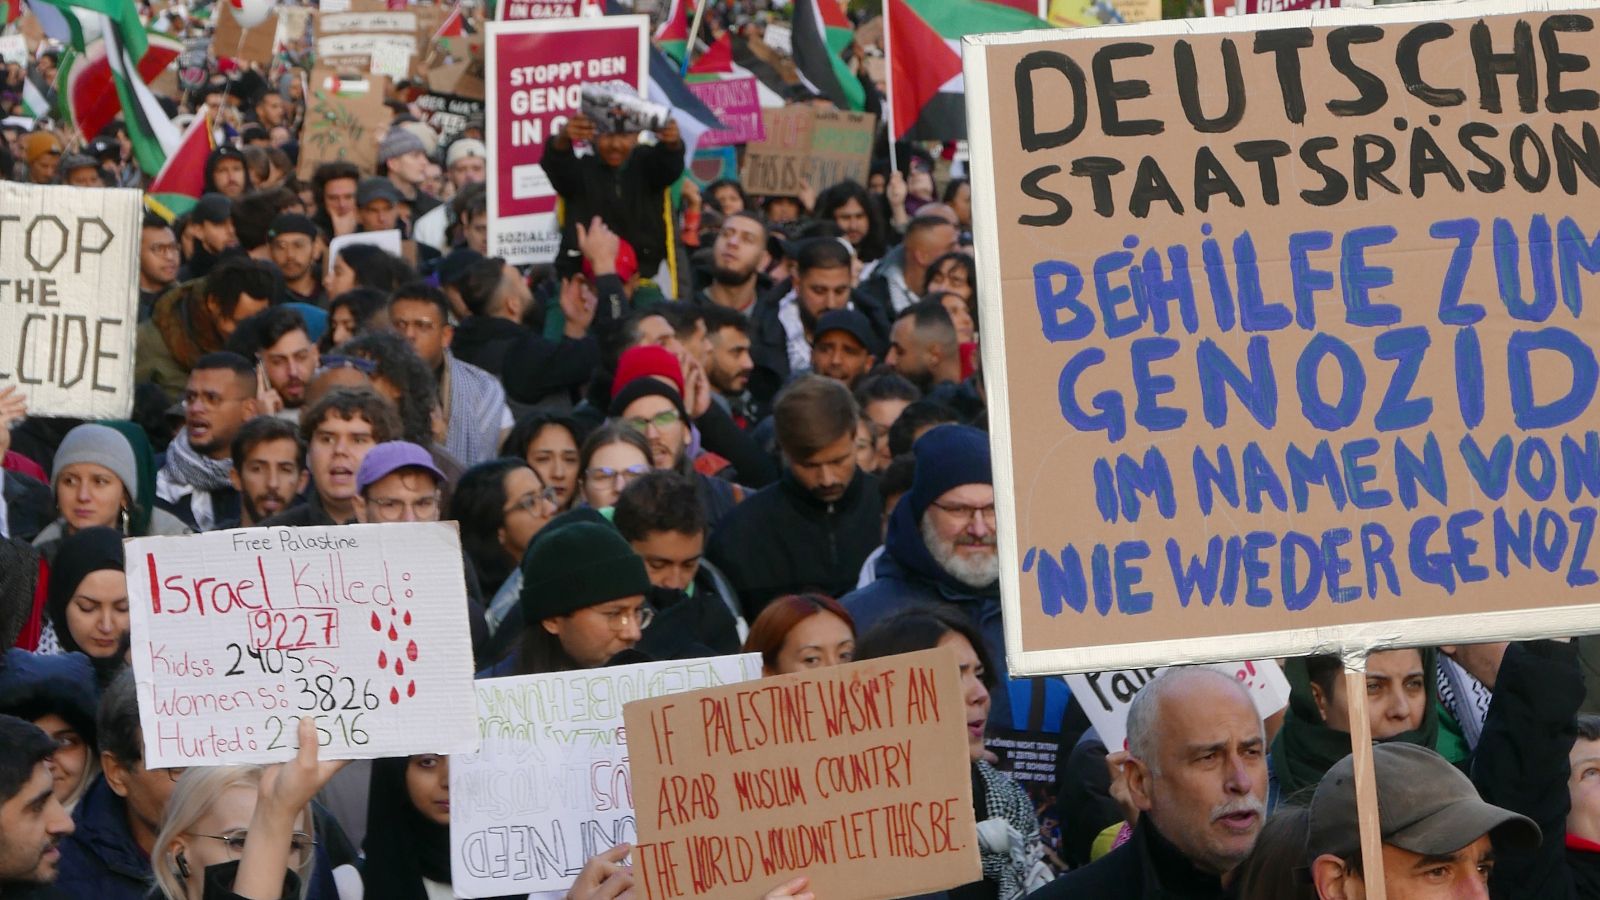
237 635
69 297
736 104
535 73
804 143
1301 373
857 776
549 786
448 114
1106 696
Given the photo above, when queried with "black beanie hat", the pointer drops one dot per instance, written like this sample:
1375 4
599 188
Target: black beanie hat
647 386
577 566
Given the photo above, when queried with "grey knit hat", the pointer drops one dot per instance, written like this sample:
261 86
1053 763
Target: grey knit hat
101 445
399 142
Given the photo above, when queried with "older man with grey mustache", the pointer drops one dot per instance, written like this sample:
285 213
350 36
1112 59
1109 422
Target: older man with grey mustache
1197 772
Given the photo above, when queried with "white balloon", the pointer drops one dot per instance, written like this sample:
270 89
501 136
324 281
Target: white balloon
250 13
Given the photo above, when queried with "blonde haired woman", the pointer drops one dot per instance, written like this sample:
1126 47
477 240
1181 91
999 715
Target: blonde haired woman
242 832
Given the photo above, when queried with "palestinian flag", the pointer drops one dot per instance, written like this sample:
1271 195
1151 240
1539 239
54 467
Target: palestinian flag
13 10
821 35
153 135
90 90
182 179
673 35
123 14
34 101
923 39
718 58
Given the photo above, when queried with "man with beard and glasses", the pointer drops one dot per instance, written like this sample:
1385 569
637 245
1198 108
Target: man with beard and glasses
193 483
288 359
940 546
269 468
292 240
738 262
812 530
1197 773
32 820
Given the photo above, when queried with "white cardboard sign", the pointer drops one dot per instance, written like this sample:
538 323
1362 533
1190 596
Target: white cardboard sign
550 786
238 634
1106 696
69 297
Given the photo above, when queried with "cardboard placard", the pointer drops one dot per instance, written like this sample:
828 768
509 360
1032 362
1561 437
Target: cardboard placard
448 113
856 775
1106 696
1270 378
255 44
342 46
14 49
239 634
366 23
549 787
536 70
737 105
391 61
69 297
342 124
779 37
822 146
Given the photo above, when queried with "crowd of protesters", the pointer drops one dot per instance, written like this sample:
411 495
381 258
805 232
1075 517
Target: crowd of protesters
790 459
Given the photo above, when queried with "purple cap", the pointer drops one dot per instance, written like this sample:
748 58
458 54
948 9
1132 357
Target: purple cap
385 458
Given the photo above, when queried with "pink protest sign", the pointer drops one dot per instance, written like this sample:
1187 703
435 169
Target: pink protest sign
535 74
737 106
1246 7
237 635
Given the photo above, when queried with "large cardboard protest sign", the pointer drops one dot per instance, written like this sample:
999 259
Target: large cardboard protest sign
737 105
536 71
1306 370
239 634
345 118
69 297
550 787
803 143
1106 696
856 775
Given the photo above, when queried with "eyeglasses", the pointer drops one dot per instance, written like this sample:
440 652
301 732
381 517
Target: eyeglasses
968 513
603 474
664 419
529 503
620 619
165 248
393 509
301 844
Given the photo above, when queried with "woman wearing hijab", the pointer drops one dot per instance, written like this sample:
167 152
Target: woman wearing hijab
58 694
1402 705
87 607
408 831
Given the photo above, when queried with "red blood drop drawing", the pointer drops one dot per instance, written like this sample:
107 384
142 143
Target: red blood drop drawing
399 667
394 696
393 635
408 617
377 624
411 650
383 660
411 689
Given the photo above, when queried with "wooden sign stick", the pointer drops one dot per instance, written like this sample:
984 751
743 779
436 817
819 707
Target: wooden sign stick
1355 695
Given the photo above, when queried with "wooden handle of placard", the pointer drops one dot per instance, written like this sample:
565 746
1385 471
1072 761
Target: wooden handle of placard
1355 695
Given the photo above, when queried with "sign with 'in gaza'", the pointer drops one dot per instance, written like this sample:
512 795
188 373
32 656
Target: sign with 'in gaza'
69 297
857 776
1289 330
237 635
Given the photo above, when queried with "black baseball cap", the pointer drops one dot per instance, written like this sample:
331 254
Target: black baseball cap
1425 805
376 188
851 322
212 208
291 223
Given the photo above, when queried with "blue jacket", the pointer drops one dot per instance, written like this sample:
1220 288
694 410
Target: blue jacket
908 576
100 859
